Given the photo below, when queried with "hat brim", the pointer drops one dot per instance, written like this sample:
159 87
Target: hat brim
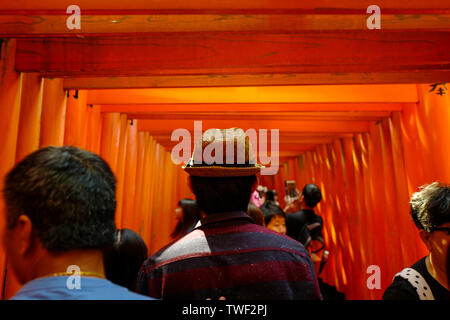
219 171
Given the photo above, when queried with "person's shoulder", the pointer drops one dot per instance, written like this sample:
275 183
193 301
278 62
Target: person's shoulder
420 266
185 245
276 240
89 289
295 216
400 289
112 291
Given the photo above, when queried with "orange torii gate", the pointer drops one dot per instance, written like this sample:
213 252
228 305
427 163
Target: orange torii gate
354 107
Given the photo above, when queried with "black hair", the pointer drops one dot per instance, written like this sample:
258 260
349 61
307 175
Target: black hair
270 195
124 258
255 213
191 215
222 194
270 209
69 196
430 207
312 195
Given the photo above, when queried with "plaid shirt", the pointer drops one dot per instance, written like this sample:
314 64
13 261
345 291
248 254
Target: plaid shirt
228 255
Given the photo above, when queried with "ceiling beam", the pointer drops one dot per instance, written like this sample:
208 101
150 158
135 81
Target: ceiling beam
281 116
405 93
177 5
347 52
238 80
15 24
167 126
249 107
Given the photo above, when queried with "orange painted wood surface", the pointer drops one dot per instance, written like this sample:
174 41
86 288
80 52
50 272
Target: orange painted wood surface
280 96
30 115
239 80
10 100
244 64
76 120
17 24
53 113
231 108
217 4
321 52
291 126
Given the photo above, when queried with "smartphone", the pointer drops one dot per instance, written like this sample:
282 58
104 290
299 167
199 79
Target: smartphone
291 188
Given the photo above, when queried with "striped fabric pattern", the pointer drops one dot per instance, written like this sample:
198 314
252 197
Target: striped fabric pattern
228 255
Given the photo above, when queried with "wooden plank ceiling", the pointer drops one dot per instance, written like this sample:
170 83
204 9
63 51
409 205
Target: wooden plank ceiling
311 69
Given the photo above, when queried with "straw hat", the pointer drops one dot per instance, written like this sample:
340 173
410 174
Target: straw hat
217 158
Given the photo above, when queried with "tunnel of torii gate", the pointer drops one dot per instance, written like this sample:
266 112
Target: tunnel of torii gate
363 113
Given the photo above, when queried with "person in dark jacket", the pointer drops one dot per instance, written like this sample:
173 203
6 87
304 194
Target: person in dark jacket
303 224
228 255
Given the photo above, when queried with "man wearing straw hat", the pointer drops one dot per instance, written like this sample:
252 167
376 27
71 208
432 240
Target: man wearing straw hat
227 254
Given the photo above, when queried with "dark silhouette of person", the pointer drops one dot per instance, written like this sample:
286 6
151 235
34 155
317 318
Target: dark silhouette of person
124 258
188 214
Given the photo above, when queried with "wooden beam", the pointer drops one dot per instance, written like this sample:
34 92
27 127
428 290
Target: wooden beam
248 107
239 80
166 140
283 94
19 25
167 126
177 5
227 53
281 116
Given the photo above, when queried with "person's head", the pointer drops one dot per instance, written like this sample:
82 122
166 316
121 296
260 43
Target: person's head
430 210
261 190
270 195
124 258
58 199
222 177
311 196
255 213
274 217
222 194
187 214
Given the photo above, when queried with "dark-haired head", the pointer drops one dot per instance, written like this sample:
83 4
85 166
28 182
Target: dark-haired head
255 213
430 210
124 258
188 217
270 195
274 217
59 201
430 206
68 194
222 194
311 195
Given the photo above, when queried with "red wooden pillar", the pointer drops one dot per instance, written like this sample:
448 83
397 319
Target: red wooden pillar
129 189
109 149
354 221
120 170
10 97
76 119
53 113
393 233
27 139
434 111
94 128
30 115
410 249
140 163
